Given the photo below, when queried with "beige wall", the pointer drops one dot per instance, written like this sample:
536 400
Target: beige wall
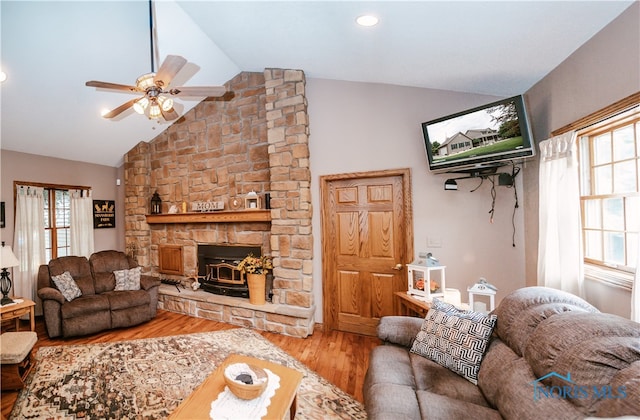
361 127
364 127
602 71
15 166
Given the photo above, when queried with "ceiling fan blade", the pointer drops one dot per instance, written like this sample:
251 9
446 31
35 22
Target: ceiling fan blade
205 91
119 110
169 68
113 86
170 114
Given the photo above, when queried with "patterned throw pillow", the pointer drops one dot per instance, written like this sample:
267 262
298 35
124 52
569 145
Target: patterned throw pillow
67 286
454 338
127 279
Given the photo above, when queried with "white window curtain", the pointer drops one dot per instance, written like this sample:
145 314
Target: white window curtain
28 241
560 257
635 292
81 229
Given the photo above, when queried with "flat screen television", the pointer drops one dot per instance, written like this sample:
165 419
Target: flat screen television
479 138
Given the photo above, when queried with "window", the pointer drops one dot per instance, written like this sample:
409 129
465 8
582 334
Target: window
57 223
610 193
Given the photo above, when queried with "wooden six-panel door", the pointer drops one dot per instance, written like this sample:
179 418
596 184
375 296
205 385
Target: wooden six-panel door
367 240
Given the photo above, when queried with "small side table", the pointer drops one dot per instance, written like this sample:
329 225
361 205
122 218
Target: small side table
407 305
15 311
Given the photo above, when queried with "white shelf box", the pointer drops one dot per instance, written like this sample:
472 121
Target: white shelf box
420 278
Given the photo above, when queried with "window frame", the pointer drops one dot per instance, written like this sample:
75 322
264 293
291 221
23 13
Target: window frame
621 113
53 222
588 167
51 188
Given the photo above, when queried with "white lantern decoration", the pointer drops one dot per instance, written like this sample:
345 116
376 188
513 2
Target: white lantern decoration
482 288
426 278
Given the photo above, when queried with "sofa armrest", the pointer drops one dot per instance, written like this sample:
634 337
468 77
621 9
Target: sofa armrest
44 279
148 282
401 330
49 293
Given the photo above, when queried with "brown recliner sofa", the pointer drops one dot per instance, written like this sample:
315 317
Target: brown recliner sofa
552 356
100 307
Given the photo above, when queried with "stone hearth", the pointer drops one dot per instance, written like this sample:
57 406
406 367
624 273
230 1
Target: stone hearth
283 319
219 151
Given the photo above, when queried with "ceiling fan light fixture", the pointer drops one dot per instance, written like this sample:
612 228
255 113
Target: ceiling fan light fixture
165 103
141 105
154 101
145 81
154 111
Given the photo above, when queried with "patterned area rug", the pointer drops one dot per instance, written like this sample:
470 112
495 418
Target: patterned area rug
147 379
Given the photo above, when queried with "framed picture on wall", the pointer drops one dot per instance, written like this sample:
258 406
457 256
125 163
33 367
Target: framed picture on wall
104 214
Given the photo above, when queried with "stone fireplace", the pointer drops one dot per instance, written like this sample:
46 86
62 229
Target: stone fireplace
222 150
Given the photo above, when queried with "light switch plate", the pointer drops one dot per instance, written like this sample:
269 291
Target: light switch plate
434 242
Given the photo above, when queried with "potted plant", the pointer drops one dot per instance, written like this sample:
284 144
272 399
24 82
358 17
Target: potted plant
256 269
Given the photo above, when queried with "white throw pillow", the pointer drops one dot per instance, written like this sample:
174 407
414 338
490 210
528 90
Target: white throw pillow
127 279
454 338
67 286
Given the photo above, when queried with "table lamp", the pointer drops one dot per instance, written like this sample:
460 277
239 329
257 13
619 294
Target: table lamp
7 260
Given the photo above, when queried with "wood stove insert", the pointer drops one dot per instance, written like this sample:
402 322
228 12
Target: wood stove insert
217 272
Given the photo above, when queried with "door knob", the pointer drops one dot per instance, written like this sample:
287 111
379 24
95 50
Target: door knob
398 267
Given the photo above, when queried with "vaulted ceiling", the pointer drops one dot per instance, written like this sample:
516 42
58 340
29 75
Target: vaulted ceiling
49 49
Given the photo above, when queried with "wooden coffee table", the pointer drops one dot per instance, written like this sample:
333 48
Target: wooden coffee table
198 404
15 311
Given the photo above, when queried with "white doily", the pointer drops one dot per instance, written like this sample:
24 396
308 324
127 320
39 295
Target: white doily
228 407
15 302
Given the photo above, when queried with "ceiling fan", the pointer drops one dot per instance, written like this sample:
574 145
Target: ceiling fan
156 100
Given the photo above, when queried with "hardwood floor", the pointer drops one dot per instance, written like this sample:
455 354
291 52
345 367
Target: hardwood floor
341 358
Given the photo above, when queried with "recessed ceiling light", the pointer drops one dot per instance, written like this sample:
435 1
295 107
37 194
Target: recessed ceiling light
367 20
3 76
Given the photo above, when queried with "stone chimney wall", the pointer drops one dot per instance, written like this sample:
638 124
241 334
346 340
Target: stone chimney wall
223 149
288 136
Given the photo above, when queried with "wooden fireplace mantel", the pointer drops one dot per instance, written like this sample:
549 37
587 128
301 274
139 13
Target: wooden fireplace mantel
239 216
